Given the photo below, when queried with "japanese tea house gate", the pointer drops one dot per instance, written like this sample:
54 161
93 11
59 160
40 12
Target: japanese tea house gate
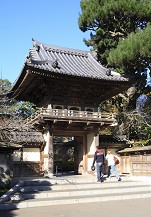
67 86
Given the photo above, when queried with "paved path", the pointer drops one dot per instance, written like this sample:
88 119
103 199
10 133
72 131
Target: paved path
126 208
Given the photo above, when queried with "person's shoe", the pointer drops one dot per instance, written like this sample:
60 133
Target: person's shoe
108 178
119 179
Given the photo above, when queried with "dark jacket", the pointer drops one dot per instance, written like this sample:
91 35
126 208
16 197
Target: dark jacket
98 157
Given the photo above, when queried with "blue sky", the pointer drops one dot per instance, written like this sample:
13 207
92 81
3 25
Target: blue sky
54 22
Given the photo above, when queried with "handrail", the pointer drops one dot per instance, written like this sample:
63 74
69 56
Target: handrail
69 115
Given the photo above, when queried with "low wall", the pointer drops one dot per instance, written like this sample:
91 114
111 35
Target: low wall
26 168
136 165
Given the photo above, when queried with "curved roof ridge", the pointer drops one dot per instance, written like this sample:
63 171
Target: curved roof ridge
60 48
73 62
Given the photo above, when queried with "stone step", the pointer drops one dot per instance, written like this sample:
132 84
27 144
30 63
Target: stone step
68 180
73 186
73 200
65 191
83 192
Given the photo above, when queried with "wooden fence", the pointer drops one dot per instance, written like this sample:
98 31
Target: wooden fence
136 165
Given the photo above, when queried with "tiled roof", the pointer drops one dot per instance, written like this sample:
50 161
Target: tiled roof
10 146
111 139
27 137
17 137
136 149
69 62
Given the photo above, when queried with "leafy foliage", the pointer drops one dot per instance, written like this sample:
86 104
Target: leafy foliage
120 34
110 21
134 53
11 106
12 113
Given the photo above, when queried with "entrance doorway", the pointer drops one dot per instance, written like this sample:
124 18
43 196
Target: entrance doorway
68 155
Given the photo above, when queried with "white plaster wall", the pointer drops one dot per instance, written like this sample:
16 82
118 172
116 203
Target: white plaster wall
92 142
31 154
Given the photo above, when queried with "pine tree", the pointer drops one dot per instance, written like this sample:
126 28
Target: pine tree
120 34
110 22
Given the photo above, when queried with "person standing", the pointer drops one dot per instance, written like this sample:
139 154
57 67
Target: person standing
111 165
99 159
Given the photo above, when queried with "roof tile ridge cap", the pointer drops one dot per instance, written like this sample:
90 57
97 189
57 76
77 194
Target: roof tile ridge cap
32 55
68 50
41 45
35 43
45 55
60 48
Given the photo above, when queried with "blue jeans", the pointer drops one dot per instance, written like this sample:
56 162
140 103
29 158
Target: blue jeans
113 169
99 171
109 171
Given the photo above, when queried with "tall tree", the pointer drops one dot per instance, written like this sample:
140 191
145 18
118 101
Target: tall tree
120 26
120 34
133 55
111 20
